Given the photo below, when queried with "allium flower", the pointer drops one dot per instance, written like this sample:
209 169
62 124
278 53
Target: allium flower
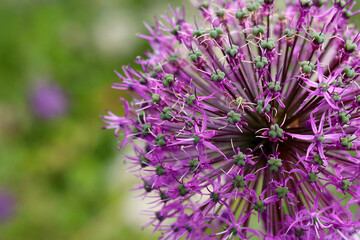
249 115
7 205
48 100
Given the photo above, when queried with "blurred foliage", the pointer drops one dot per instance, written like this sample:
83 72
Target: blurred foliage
66 175
62 172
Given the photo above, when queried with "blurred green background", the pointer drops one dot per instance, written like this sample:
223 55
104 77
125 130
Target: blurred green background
65 176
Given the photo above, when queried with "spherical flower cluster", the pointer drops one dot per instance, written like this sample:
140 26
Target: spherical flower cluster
7 205
246 123
48 101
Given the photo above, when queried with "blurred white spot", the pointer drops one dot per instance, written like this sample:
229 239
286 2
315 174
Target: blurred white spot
121 180
114 32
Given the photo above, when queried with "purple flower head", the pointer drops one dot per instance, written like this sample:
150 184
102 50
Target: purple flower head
248 114
48 100
7 205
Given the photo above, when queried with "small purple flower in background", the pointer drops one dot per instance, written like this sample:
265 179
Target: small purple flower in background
48 100
7 205
250 114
